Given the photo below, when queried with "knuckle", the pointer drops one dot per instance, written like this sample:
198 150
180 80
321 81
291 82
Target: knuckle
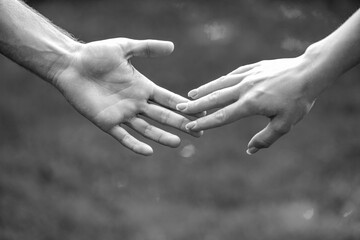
142 106
247 83
221 116
282 129
170 100
214 97
165 115
135 147
126 139
251 104
233 94
159 138
148 130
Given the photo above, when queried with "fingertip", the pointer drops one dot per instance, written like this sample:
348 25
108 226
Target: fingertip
252 150
178 142
193 93
190 126
151 48
173 141
171 46
181 106
146 150
168 47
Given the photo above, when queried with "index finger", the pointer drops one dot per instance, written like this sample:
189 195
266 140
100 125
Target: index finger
244 68
169 99
221 117
215 85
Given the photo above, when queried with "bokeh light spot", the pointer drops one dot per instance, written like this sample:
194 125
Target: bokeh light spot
308 214
188 151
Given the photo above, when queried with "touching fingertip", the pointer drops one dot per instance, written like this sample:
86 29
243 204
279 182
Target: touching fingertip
181 106
193 93
190 125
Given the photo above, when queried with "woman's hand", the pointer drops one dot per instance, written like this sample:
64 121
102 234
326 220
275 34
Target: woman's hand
284 90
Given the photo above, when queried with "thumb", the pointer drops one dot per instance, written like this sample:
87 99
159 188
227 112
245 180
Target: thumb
276 128
149 48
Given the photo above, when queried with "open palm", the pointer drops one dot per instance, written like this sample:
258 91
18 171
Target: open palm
102 85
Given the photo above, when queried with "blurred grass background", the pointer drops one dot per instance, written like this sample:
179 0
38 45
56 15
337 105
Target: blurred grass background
62 178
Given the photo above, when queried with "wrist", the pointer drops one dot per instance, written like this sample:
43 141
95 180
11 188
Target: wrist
32 41
61 57
319 70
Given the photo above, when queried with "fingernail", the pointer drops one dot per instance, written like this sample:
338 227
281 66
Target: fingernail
252 150
190 125
193 93
181 106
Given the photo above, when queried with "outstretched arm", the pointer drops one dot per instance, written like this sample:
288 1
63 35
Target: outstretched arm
97 78
284 90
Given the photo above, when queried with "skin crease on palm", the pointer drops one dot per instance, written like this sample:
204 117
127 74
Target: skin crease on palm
100 82
96 78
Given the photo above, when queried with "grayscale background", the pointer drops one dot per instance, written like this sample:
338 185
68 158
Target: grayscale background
62 178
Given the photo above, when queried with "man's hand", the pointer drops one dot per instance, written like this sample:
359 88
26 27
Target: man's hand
96 78
100 82
279 89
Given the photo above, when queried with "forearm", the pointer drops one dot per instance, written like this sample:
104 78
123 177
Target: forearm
32 41
334 55
343 45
